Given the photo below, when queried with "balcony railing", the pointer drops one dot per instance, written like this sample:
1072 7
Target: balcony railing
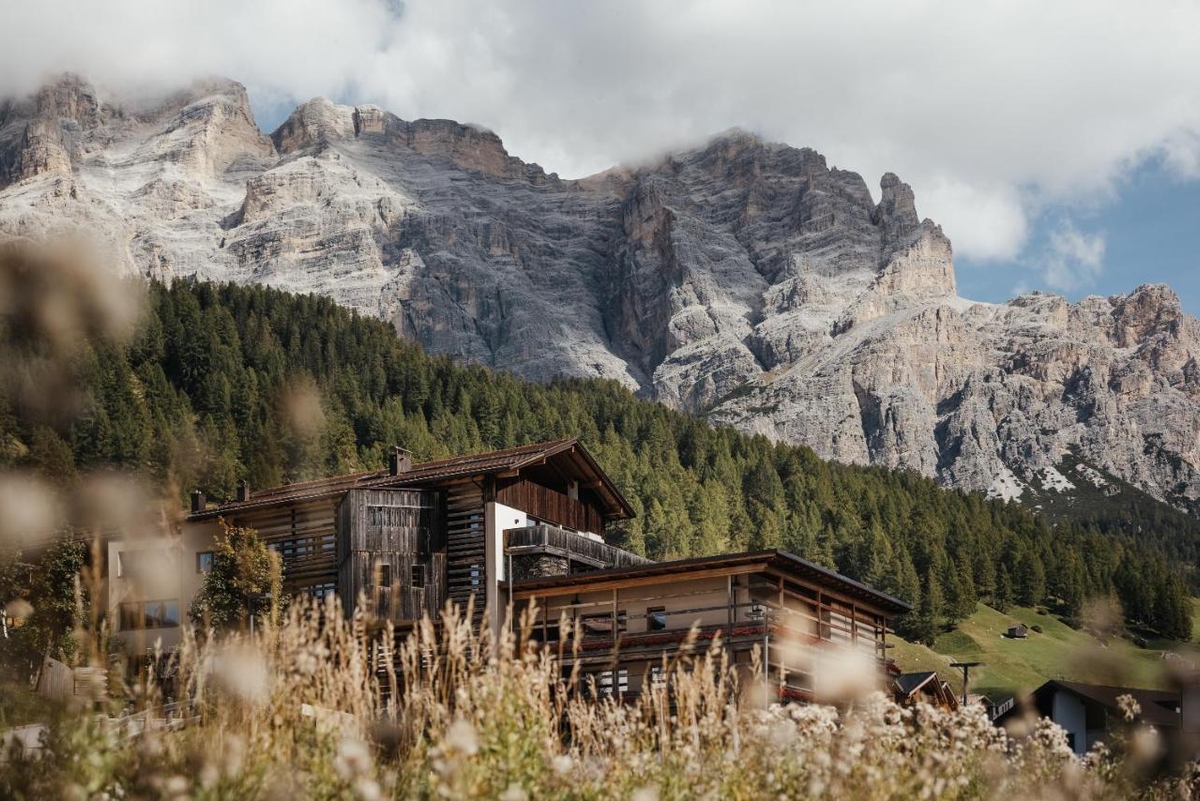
550 540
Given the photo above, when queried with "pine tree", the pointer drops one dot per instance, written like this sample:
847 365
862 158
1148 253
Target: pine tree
927 622
1003 597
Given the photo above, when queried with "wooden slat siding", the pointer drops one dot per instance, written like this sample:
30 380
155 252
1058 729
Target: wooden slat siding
311 521
465 545
412 535
547 504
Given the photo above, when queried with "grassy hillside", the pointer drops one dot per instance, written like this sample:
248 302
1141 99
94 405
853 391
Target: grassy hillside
1014 667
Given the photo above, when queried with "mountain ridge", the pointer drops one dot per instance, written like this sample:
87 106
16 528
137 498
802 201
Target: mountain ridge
741 279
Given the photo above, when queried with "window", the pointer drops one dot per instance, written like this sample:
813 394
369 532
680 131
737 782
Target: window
322 590
656 618
149 615
418 577
385 576
304 548
476 575
204 561
547 633
605 685
657 678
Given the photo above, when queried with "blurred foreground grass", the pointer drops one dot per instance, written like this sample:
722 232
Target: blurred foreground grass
297 712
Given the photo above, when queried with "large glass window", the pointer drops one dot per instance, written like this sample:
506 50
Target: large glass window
149 614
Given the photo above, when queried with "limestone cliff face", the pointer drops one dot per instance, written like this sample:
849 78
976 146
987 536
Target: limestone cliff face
744 280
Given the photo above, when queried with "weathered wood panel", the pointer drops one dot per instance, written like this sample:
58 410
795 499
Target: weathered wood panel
391 551
550 505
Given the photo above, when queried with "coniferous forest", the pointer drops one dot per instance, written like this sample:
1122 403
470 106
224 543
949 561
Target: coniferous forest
224 382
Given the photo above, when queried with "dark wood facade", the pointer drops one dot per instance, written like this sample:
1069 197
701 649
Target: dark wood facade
551 505
391 551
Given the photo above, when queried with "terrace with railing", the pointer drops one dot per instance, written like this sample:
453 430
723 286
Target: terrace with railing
545 549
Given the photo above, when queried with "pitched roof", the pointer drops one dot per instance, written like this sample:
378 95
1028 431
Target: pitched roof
424 473
782 561
909 683
1159 707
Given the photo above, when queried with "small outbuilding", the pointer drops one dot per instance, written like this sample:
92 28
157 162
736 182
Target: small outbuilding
927 686
1018 632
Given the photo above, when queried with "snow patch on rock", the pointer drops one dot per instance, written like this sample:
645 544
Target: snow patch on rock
1091 475
1054 481
1006 486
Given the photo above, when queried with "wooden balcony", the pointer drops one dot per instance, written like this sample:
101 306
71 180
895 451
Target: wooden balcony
577 549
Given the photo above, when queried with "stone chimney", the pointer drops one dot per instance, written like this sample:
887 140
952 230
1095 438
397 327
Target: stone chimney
399 460
243 490
199 502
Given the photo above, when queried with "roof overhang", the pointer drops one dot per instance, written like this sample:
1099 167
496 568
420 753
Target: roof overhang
569 456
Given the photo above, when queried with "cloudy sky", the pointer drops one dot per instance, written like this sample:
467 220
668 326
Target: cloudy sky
1057 143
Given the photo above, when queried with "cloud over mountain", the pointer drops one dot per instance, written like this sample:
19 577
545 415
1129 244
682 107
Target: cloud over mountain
989 110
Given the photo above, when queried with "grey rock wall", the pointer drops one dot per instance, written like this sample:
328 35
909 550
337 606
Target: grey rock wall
745 280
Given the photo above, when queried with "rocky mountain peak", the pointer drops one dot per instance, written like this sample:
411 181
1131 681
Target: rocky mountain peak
319 123
69 98
42 133
741 279
471 147
896 213
313 124
1150 309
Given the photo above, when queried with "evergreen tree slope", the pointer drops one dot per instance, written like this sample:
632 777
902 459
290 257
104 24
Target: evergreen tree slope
224 382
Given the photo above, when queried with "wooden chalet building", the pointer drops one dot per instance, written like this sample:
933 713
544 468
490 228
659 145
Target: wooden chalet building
801 615
521 525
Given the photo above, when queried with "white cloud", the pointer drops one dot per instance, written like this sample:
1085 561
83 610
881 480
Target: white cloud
989 109
1073 259
992 218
